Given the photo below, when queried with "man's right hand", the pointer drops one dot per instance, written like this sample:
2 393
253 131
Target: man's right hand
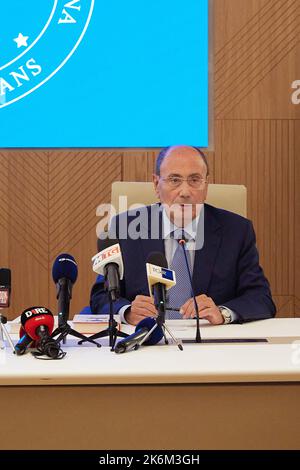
141 307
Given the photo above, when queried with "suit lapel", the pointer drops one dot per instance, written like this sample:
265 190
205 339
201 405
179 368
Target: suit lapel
206 257
155 241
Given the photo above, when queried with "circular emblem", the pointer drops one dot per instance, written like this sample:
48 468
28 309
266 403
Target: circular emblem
36 40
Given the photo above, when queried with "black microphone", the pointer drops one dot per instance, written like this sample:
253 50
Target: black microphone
109 263
182 242
141 331
64 273
160 278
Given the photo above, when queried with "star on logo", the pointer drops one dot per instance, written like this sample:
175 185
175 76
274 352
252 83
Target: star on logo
21 40
25 63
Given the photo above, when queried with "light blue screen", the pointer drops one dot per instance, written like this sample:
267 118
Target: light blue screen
138 77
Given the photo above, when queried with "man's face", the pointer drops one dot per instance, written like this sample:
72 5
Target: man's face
180 201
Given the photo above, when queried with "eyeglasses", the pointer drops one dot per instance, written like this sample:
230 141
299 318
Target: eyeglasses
195 181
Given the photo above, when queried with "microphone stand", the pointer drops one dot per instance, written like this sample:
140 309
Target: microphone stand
3 331
63 295
64 328
160 320
112 330
198 339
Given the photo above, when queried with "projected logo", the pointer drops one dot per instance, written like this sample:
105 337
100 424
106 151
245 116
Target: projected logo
36 41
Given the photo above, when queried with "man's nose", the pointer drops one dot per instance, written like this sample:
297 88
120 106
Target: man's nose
185 189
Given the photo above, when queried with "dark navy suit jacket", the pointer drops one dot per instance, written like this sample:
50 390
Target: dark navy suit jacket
226 268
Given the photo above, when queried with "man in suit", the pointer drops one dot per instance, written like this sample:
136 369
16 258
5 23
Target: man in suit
227 279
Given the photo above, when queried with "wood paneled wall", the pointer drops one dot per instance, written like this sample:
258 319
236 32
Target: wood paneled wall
48 199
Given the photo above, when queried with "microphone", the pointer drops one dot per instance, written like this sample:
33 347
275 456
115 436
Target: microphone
160 278
182 242
141 331
38 323
109 263
24 342
64 273
5 287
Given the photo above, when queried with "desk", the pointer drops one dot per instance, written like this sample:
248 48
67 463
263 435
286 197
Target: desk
208 396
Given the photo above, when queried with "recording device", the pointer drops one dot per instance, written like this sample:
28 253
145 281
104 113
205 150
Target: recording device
145 333
64 273
5 291
160 278
3 331
5 287
109 263
38 323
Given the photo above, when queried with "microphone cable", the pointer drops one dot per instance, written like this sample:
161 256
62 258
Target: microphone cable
182 242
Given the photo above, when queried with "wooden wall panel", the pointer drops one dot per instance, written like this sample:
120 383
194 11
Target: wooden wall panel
79 182
24 226
138 165
255 60
264 163
256 124
297 218
48 203
48 199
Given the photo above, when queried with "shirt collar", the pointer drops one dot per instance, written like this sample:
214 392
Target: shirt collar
190 229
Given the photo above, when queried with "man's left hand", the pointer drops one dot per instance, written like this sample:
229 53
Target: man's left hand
207 310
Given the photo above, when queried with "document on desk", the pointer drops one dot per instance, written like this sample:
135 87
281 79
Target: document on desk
94 323
186 331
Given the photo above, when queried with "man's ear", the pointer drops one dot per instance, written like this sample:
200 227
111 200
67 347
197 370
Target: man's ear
155 179
206 189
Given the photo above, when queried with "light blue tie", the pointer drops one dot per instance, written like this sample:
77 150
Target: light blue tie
182 291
